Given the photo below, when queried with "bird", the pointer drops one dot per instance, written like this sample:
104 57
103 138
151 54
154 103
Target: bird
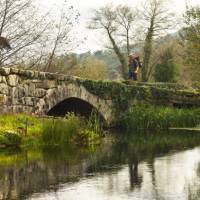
4 44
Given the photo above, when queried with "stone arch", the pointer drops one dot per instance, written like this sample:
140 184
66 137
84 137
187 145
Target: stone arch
62 92
73 104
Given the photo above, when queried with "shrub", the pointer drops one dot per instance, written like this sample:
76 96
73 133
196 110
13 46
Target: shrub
166 70
9 138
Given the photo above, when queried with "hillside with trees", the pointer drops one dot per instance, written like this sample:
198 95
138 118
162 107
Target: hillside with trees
39 42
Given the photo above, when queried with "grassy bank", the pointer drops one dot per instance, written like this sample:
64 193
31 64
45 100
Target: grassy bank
23 130
154 118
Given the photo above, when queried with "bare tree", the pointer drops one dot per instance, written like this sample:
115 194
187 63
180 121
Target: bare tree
105 18
35 36
126 18
62 39
21 23
157 20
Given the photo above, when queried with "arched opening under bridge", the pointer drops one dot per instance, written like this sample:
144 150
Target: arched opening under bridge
75 105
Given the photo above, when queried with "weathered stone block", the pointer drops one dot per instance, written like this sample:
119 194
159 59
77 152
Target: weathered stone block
17 101
31 89
39 92
36 74
47 84
40 107
14 71
26 73
2 99
7 100
42 75
21 72
5 109
29 101
50 92
3 79
4 71
29 74
67 78
19 92
12 80
22 109
36 81
61 77
4 89
51 76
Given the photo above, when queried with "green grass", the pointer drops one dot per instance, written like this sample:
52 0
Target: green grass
23 124
62 130
26 131
154 118
71 129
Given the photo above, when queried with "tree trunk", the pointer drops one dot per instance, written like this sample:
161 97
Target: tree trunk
147 51
128 43
48 66
120 56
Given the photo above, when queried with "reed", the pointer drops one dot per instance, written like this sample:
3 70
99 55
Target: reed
32 131
157 118
61 130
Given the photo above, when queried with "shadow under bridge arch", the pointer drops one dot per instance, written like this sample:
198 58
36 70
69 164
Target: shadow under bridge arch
75 105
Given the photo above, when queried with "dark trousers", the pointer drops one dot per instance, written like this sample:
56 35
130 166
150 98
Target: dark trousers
132 76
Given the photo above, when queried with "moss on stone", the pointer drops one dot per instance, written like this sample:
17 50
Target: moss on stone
123 95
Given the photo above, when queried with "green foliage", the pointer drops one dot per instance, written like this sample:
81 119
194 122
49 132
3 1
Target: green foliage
20 123
140 117
62 130
16 130
87 137
191 39
94 124
71 130
91 68
8 139
166 70
85 65
120 93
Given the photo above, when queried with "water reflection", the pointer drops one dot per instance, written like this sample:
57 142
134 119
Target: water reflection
130 167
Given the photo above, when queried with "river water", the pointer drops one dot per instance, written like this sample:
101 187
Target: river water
121 168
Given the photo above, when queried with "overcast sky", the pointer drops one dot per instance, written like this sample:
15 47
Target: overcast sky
84 7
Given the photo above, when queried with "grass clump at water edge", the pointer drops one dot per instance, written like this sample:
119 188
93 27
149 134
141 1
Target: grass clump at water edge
157 118
22 130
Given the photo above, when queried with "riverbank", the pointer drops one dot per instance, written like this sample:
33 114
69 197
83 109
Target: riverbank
24 131
31 131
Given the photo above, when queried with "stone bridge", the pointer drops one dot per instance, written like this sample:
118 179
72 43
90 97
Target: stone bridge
41 93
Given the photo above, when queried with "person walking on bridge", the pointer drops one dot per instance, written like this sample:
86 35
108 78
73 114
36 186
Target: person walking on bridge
133 66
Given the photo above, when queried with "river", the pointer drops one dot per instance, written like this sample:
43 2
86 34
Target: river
149 167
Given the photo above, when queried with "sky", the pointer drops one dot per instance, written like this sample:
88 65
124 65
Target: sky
95 41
